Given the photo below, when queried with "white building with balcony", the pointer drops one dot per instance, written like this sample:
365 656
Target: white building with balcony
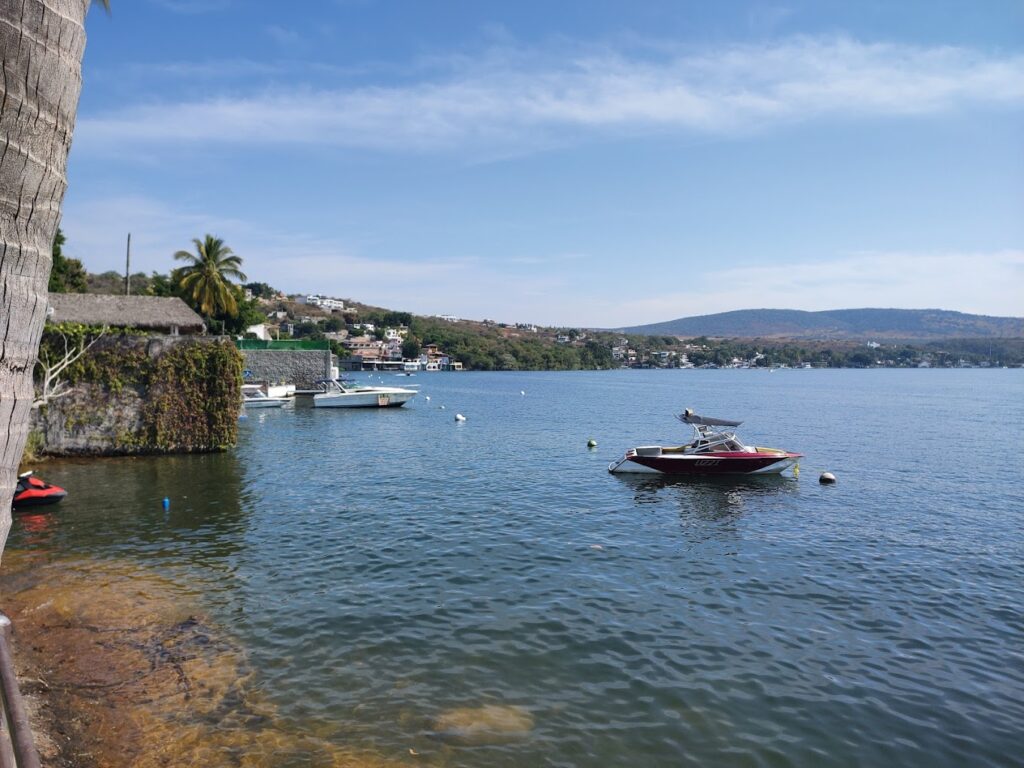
324 302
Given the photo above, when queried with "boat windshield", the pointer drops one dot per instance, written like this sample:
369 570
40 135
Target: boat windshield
335 385
711 441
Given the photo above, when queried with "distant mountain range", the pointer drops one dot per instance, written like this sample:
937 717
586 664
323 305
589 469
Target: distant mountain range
853 324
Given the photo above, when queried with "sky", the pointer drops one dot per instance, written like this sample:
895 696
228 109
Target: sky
590 163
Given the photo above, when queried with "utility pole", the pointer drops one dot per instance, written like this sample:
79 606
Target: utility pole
127 267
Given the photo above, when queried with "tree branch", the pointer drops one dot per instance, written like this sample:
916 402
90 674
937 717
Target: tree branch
53 386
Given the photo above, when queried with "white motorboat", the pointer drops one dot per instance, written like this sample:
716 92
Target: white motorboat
345 394
254 396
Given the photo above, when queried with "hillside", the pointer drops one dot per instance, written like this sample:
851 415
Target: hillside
852 324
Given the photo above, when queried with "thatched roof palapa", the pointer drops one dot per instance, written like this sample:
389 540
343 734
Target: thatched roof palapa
151 313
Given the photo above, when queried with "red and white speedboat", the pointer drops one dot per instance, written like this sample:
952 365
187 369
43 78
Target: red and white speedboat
713 451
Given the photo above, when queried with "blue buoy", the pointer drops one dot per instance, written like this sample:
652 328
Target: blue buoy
167 503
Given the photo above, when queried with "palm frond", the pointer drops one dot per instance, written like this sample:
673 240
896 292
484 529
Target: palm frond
205 280
235 273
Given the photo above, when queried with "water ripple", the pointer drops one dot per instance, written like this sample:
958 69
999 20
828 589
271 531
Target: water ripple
383 569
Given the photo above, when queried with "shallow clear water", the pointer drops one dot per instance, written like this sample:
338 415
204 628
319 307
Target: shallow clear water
382 567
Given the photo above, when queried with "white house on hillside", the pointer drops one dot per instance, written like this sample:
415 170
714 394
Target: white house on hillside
316 300
261 331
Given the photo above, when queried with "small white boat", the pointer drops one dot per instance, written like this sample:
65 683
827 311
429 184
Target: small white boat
343 394
254 396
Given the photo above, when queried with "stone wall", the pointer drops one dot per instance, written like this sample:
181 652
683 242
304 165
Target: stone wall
144 394
301 367
74 426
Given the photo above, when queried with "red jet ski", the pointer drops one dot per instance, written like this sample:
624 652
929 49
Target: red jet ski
33 492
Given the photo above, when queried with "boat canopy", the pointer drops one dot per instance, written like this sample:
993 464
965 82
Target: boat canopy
689 417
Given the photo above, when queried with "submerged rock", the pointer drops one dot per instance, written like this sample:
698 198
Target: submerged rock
121 669
483 726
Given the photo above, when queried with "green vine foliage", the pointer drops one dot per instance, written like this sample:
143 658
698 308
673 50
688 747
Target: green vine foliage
114 362
195 391
191 391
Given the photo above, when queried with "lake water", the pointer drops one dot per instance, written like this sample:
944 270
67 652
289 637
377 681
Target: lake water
381 568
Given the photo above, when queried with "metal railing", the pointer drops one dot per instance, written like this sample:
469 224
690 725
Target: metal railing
17 750
255 344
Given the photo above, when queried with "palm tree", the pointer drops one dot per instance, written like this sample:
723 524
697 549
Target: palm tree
205 279
41 47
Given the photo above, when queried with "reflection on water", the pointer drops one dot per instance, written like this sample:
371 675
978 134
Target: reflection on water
711 496
709 507
37 527
115 507
485 593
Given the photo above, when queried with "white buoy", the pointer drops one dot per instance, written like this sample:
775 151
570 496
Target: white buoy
442 407
427 397
459 417
591 443
827 478
522 392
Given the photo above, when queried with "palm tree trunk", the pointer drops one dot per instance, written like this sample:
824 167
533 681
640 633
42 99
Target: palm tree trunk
41 47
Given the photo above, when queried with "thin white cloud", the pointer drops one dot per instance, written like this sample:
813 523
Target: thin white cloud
984 282
97 230
768 19
283 36
205 70
509 100
990 283
472 287
192 7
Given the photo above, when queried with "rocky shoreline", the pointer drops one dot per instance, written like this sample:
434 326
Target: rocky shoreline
119 668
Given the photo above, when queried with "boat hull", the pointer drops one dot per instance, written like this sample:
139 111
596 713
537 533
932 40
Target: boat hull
23 501
33 492
705 464
371 399
266 402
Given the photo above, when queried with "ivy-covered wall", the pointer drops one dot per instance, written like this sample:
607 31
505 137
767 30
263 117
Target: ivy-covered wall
135 394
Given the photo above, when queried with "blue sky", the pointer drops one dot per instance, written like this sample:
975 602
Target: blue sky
597 163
